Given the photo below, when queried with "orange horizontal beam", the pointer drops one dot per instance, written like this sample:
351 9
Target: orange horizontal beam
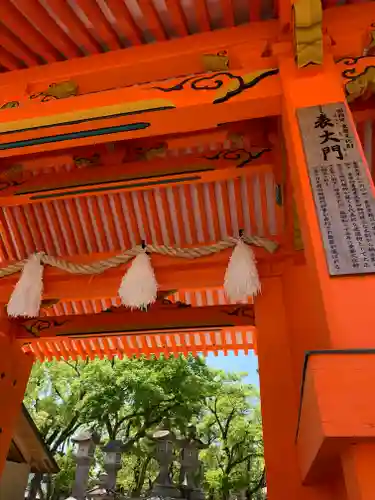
158 319
138 176
171 274
150 62
163 108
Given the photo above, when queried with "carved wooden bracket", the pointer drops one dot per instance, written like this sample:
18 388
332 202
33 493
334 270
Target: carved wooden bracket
308 33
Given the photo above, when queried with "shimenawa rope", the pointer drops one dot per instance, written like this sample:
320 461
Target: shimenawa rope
101 266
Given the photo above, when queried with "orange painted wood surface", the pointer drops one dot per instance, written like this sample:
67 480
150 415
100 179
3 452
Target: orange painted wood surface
141 175
157 319
327 427
350 294
279 389
171 274
15 368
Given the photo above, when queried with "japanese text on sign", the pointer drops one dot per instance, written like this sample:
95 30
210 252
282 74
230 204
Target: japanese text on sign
341 187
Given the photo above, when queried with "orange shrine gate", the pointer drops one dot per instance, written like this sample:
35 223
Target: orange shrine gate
182 124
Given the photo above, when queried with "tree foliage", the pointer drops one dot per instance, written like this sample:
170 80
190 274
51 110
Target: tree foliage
126 399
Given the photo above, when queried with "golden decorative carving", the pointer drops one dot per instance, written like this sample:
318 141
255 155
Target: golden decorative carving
59 90
358 74
10 104
216 62
308 33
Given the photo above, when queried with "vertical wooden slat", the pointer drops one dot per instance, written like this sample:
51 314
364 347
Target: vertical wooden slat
143 214
14 46
117 211
155 216
31 222
255 10
44 230
66 223
228 13
152 19
77 30
202 15
177 16
215 218
125 21
24 230
167 217
56 224
8 60
97 224
263 198
111 226
100 23
85 220
190 223
41 20
6 239
18 24
18 242
78 235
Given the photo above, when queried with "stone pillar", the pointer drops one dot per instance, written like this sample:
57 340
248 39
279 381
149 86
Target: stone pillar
190 474
112 462
86 442
164 446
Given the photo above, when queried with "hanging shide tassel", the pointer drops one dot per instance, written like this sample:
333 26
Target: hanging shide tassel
27 295
139 288
241 277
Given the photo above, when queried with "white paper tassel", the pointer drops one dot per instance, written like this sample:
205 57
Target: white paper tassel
27 295
241 277
138 288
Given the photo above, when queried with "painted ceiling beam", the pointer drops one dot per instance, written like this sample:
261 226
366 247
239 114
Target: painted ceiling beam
159 318
135 176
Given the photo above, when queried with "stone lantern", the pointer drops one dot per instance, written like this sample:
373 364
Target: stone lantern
164 441
191 468
112 461
86 443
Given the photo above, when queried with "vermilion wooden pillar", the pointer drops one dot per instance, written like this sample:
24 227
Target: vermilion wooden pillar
280 390
15 368
328 312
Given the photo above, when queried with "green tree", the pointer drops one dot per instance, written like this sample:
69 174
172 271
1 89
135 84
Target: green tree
122 399
232 427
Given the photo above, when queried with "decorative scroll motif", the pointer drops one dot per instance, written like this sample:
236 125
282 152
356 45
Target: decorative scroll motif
225 83
216 62
308 33
245 311
60 90
90 161
10 104
242 155
38 325
359 76
5 184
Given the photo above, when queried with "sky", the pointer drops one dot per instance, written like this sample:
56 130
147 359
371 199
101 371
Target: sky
242 363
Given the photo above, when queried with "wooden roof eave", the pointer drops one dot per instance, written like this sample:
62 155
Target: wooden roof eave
32 446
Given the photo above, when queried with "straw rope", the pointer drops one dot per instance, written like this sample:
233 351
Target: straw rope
101 266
